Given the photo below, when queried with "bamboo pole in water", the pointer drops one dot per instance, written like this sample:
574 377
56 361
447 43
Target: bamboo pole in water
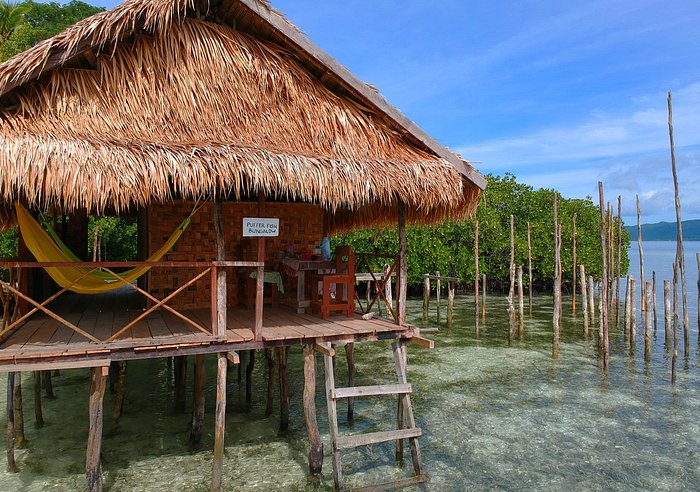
648 323
450 301
556 317
641 253
38 411
10 413
438 288
573 282
198 399
270 366
680 255
93 465
667 314
591 300
511 292
604 281
674 321
633 312
529 268
611 255
521 325
118 396
47 384
20 438
697 259
476 278
426 296
584 302
628 310
619 260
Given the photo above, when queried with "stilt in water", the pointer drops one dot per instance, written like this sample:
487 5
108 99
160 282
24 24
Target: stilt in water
529 269
573 282
426 296
93 466
556 316
249 377
619 260
584 298
282 354
697 259
270 362
38 412
118 396
476 280
438 288
641 253
10 408
315 444
180 383
349 356
604 282
521 325
674 357
483 297
680 255
47 384
591 300
667 314
198 399
633 314
450 299
628 309
20 438
648 323
219 424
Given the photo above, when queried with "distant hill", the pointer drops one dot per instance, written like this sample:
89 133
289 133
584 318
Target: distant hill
666 231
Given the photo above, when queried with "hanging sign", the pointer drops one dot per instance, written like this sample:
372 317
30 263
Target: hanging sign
261 227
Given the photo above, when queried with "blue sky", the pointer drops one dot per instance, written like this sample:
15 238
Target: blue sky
561 94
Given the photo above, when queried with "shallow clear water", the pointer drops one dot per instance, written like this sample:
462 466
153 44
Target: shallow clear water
494 416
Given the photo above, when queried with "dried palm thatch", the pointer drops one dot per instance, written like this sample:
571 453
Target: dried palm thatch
180 107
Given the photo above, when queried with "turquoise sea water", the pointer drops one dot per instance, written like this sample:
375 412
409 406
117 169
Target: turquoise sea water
495 416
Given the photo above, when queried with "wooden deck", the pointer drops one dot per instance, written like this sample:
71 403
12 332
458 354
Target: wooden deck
162 334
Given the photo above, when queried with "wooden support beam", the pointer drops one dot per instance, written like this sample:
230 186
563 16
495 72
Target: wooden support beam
219 424
221 295
47 384
422 342
315 444
54 365
349 356
198 397
20 438
324 349
270 363
180 383
402 285
93 466
38 412
233 358
119 396
249 377
11 463
260 277
282 354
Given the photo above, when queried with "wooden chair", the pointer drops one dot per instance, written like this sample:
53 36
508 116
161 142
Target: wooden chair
344 281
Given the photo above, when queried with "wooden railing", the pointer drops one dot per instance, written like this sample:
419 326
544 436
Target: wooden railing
215 269
363 266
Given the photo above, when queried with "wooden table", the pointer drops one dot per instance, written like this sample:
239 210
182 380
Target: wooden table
300 267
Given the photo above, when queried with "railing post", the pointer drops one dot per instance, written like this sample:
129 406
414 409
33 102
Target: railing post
213 274
221 298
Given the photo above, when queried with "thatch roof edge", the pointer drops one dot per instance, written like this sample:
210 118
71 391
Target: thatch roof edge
288 31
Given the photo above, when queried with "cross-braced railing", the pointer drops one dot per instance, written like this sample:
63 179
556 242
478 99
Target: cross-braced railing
215 269
366 262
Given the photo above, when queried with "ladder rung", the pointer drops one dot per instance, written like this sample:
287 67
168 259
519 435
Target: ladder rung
382 389
354 441
395 485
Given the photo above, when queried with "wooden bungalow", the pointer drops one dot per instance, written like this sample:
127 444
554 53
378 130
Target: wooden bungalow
159 108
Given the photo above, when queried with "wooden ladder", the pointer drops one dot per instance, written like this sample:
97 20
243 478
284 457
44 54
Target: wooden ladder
406 424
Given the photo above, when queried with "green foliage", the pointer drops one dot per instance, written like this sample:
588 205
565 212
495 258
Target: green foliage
118 238
432 248
24 24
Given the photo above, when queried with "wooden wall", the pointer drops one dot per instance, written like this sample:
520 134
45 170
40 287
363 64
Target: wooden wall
301 226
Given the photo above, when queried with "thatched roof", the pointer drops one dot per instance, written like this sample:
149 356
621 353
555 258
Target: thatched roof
180 98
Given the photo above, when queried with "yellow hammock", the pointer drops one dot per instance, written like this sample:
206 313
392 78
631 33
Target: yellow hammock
45 249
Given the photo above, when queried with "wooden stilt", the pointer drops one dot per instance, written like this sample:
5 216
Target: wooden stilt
180 383
249 377
619 260
529 268
604 281
93 466
633 313
333 422
438 288
573 282
47 384
402 273
239 377
219 424
653 297
426 296
401 362
450 303
11 463
349 356
591 299
556 316
476 279
198 397
282 354
674 357
641 254
119 396
483 296
511 291
270 362
315 444
647 323
20 438
38 412
628 308
521 308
